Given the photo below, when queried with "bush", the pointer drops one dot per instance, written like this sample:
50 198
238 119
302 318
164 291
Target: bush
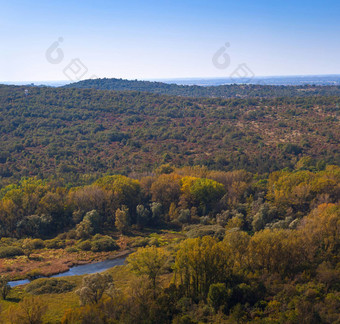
38 243
10 251
71 249
5 241
33 244
85 245
55 244
70 242
34 274
154 241
195 231
49 286
140 242
72 234
104 243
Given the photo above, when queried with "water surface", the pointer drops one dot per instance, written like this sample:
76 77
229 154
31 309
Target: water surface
79 270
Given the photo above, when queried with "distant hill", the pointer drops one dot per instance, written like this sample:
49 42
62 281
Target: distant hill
221 91
46 131
298 80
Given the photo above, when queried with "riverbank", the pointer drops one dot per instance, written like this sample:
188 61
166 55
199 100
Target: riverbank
47 263
79 270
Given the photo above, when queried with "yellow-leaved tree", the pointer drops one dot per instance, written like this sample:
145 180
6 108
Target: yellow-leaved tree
149 261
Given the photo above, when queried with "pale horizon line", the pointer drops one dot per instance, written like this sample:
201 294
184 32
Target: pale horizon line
179 78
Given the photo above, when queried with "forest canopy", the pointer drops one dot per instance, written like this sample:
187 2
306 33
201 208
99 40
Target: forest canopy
228 209
72 132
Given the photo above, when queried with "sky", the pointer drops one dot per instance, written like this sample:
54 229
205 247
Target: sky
133 39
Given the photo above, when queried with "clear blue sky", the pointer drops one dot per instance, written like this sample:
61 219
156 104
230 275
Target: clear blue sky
137 39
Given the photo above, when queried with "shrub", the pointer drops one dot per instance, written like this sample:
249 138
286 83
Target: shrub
140 242
49 286
72 234
34 274
71 249
55 244
154 241
62 236
69 242
7 241
104 243
10 251
38 244
85 245
216 231
33 244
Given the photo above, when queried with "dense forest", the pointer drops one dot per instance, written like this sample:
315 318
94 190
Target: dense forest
71 132
225 247
222 91
227 210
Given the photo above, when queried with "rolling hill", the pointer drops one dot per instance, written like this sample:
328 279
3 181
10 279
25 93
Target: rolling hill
221 91
75 131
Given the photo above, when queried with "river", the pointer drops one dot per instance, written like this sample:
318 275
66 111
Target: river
79 270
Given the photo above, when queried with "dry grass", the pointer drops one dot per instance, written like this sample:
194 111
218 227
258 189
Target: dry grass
47 262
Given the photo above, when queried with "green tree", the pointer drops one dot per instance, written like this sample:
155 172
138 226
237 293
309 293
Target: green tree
84 229
166 189
201 192
93 287
122 221
124 190
5 288
217 295
149 261
201 262
29 311
156 210
94 218
28 247
143 215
